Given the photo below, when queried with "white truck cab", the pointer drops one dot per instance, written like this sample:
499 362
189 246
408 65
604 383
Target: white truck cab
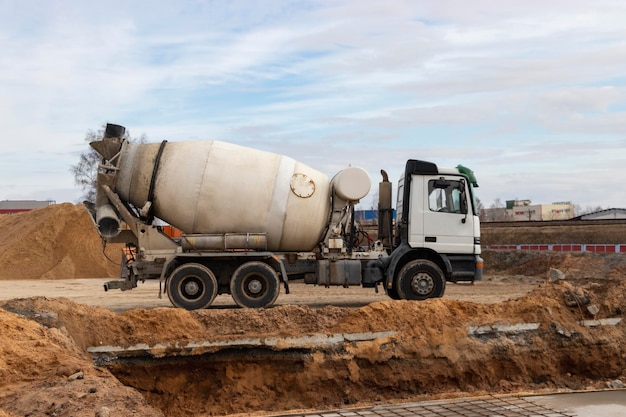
437 231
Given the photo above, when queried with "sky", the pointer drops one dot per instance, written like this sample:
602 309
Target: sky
530 95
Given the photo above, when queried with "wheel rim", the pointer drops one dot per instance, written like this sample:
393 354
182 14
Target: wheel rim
422 284
254 287
191 288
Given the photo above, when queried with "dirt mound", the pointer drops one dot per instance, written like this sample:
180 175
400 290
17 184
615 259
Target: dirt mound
58 241
433 353
580 232
578 267
43 372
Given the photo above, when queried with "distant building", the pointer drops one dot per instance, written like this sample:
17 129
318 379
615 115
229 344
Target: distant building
524 210
608 214
18 206
369 216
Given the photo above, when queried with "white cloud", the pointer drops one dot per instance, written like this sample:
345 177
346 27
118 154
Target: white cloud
518 91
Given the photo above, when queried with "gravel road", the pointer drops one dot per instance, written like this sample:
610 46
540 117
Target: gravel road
91 292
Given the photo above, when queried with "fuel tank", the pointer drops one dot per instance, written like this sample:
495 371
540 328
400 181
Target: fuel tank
212 187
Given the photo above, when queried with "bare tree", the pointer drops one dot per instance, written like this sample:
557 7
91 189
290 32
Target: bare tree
480 209
85 172
374 205
577 210
479 205
497 203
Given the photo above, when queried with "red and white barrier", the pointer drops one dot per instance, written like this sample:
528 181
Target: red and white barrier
568 247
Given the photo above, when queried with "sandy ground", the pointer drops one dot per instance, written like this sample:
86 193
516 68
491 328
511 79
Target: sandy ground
90 292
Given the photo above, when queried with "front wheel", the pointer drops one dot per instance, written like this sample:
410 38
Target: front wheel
192 286
420 279
393 293
254 285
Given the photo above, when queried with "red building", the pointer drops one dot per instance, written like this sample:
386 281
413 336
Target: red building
18 206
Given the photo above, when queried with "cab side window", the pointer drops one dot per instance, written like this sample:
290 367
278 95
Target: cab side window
444 200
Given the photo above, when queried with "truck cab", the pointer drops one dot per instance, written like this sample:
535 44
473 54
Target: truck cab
437 232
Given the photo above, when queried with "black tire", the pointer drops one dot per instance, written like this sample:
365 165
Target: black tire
254 285
393 293
420 279
192 286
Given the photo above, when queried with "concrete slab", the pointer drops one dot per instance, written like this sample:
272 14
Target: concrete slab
587 404
613 321
504 328
467 407
105 355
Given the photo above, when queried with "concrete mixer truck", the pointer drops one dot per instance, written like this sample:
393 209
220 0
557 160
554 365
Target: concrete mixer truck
252 221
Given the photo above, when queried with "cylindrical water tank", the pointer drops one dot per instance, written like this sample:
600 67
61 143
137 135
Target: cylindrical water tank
351 184
209 187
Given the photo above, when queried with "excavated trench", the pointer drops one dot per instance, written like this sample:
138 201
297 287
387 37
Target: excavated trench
381 369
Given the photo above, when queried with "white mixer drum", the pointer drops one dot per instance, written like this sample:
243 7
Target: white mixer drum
218 187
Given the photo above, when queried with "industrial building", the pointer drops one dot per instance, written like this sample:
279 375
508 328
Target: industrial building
524 210
608 214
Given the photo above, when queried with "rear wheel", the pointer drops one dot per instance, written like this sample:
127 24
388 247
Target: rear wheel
420 279
192 286
254 285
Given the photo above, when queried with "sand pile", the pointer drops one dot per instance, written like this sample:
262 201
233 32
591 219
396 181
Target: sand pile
43 372
58 241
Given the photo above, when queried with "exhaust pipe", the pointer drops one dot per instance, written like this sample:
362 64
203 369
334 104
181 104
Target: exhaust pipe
109 224
385 211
